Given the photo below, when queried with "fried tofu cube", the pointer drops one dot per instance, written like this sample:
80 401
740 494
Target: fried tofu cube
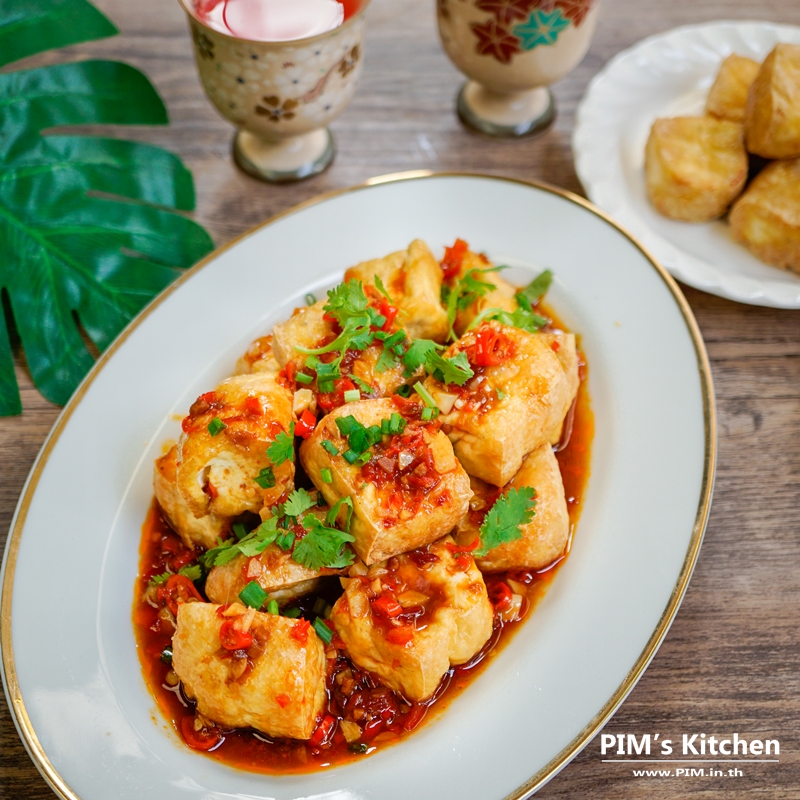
258 358
694 167
276 686
194 531
766 218
309 330
544 537
772 118
537 382
408 489
274 569
727 97
413 279
413 617
499 293
219 469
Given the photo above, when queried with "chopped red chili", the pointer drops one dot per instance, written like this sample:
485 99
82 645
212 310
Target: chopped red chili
386 606
204 739
253 406
500 595
492 347
283 700
464 548
306 424
177 590
324 732
454 258
299 631
330 400
232 639
402 635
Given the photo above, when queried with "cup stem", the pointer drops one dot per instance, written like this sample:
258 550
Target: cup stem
505 115
284 160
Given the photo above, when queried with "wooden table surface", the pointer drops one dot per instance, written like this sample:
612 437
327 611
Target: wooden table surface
730 661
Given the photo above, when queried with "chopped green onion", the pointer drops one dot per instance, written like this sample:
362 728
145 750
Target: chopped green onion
253 595
501 395
378 320
427 413
166 654
266 478
272 608
350 456
216 426
404 390
374 434
358 747
348 424
330 447
326 475
285 540
397 424
292 613
323 631
326 387
319 606
352 396
385 427
425 395
363 459
310 299
301 377
239 531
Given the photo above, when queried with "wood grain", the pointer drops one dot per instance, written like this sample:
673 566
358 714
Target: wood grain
730 661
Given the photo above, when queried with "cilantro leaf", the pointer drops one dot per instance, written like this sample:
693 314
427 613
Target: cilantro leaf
521 318
345 301
251 545
449 370
417 354
323 546
193 572
502 523
333 513
157 580
538 287
382 289
282 449
465 292
386 361
299 501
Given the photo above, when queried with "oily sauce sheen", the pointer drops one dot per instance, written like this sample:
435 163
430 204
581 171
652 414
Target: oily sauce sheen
391 717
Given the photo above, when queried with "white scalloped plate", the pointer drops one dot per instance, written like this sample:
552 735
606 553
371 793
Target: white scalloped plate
663 76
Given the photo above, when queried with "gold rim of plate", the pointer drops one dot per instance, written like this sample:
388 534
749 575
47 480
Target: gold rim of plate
13 694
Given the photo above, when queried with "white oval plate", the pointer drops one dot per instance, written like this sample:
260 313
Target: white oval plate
70 666
669 75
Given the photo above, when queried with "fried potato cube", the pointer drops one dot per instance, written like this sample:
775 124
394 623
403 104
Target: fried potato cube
766 218
258 358
283 691
727 97
217 469
194 531
410 618
544 537
537 382
500 295
412 490
694 167
772 118
413 279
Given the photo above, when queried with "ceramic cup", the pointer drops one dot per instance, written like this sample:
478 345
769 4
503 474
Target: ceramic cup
511 51
280 95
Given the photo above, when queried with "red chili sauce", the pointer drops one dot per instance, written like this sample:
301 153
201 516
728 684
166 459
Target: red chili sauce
385 716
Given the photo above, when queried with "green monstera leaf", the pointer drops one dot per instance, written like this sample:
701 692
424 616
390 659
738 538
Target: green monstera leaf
88 226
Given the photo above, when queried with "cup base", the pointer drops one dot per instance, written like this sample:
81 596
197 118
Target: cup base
507 116
284 161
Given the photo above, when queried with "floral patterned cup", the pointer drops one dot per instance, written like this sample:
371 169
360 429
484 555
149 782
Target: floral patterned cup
512 50
280 95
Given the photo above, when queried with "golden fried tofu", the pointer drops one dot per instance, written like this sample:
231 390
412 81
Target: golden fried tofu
275 571
412 617
194 531
408 489
772 118
727 97
308 329
258 358
413 279
218 468
275 683
499 294
694 167
544 537
766 218
511 407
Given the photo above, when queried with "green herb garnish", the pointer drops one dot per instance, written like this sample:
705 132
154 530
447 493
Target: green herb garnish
282 449
502 523
216 426
323 631
538 287
266 478
253 595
